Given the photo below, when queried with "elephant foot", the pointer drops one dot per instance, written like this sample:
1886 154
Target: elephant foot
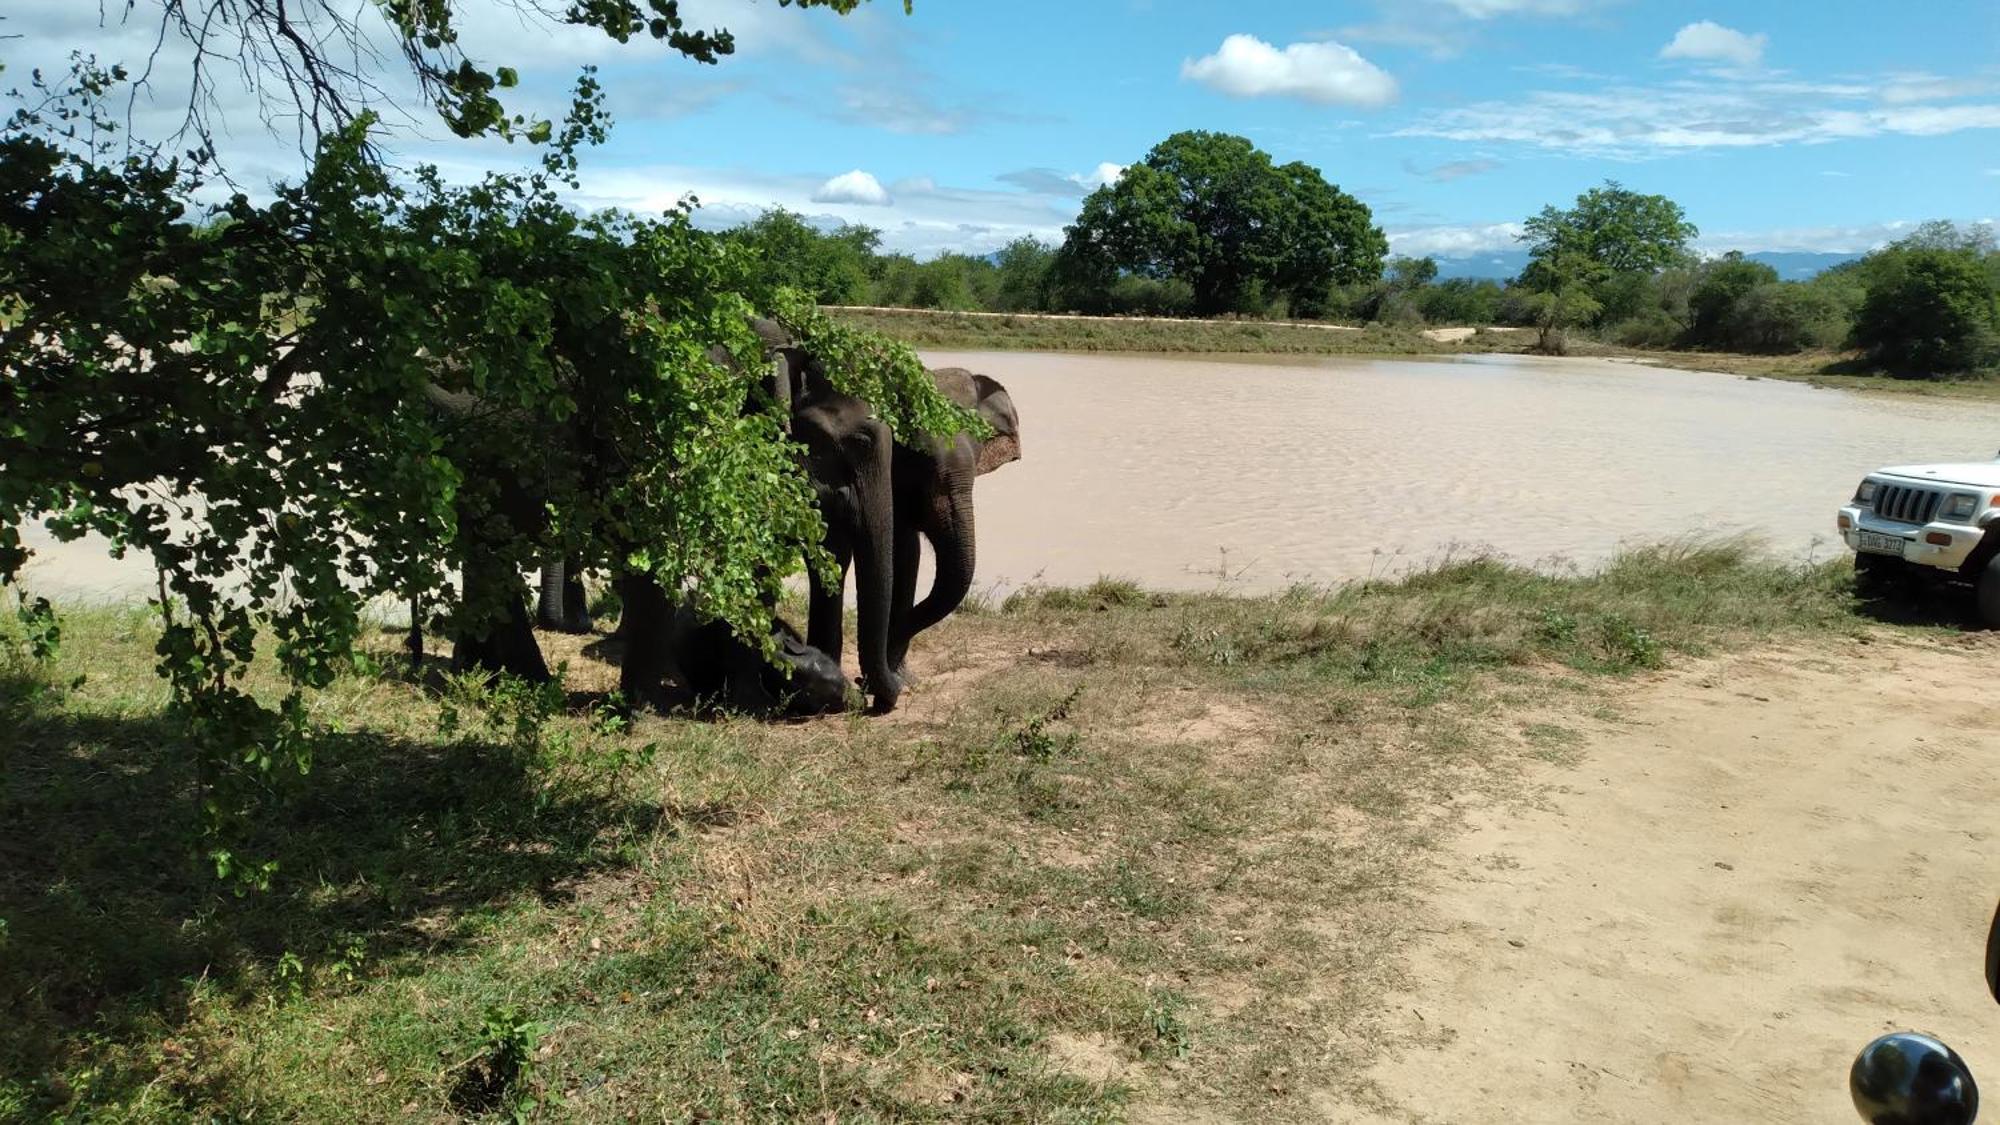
575 626
904 676
881 702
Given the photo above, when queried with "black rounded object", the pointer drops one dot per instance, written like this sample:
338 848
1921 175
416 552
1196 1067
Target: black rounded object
1909 1078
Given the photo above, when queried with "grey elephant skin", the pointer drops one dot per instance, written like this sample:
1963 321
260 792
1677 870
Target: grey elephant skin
848 455
934 479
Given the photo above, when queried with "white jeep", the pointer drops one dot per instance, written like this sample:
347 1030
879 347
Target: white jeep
1940 520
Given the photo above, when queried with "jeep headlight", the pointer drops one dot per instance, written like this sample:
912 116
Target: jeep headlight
1866 493
1961 506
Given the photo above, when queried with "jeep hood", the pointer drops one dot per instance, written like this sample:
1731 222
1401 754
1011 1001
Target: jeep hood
1977 474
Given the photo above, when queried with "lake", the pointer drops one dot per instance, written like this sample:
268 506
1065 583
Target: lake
1275 470
1282 469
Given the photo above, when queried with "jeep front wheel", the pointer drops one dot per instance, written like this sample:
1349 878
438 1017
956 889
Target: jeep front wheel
1875 575
1988 592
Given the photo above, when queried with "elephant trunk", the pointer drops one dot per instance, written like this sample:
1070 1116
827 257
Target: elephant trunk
873 583
954 546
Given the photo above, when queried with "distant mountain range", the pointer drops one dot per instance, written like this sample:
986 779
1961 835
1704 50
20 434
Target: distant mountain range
1509 263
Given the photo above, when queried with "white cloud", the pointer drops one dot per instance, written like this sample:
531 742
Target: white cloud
1456 170
1487 9
901 109
1072 185
924 221
1807 240
1455 241
1327 73
1397 29
1909 89
1500 238
1633 122
1708 41
855 187
1104 175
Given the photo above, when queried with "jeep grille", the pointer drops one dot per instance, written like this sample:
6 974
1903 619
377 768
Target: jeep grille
1902 504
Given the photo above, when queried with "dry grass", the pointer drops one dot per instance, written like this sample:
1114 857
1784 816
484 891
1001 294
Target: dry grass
1033 332
1121 854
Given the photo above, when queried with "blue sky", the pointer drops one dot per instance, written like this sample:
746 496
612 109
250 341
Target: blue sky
1778 126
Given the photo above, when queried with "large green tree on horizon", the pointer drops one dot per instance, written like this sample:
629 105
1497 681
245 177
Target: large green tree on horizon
1616 228
1212 210
1583 260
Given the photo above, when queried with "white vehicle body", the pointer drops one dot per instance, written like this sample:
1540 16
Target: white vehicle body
1942 520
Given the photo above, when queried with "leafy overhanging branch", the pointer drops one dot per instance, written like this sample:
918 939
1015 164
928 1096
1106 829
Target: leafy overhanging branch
248 401
322 64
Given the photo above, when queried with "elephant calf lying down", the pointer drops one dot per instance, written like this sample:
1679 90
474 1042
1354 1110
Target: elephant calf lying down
717 668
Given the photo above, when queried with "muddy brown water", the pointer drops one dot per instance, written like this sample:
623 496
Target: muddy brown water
1283 469
1275 470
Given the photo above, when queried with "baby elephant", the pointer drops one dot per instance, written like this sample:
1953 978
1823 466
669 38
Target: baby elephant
721 669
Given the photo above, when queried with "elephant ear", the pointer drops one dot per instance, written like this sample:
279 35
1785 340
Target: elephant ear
996 406
806 377
770 332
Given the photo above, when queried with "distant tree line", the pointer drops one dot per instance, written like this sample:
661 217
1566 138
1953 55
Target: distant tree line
1208 225
1205 225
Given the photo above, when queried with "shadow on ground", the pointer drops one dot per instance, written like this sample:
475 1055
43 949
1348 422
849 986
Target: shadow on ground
1922 604
108 922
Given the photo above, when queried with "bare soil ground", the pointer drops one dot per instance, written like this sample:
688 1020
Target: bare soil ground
1749 868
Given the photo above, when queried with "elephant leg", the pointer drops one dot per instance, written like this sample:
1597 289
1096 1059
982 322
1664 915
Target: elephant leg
503 645
575 600
647 627
413 642
826 620
562 607
549 607
909 553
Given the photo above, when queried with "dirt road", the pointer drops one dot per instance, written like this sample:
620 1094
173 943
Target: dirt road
1758 865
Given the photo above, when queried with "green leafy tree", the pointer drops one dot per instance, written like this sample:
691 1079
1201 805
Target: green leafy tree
1326 237
1929 311
1564 297
251 404
1023 283
1622 235
1460 300
1723 284
1785 316
832 266
1617 228
1211 210
1977 239
1410 274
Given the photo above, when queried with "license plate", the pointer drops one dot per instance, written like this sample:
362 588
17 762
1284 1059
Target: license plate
1880 544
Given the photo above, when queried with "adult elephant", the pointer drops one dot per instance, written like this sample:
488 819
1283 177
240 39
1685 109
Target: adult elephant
503 499
849 458
563 605
934 477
